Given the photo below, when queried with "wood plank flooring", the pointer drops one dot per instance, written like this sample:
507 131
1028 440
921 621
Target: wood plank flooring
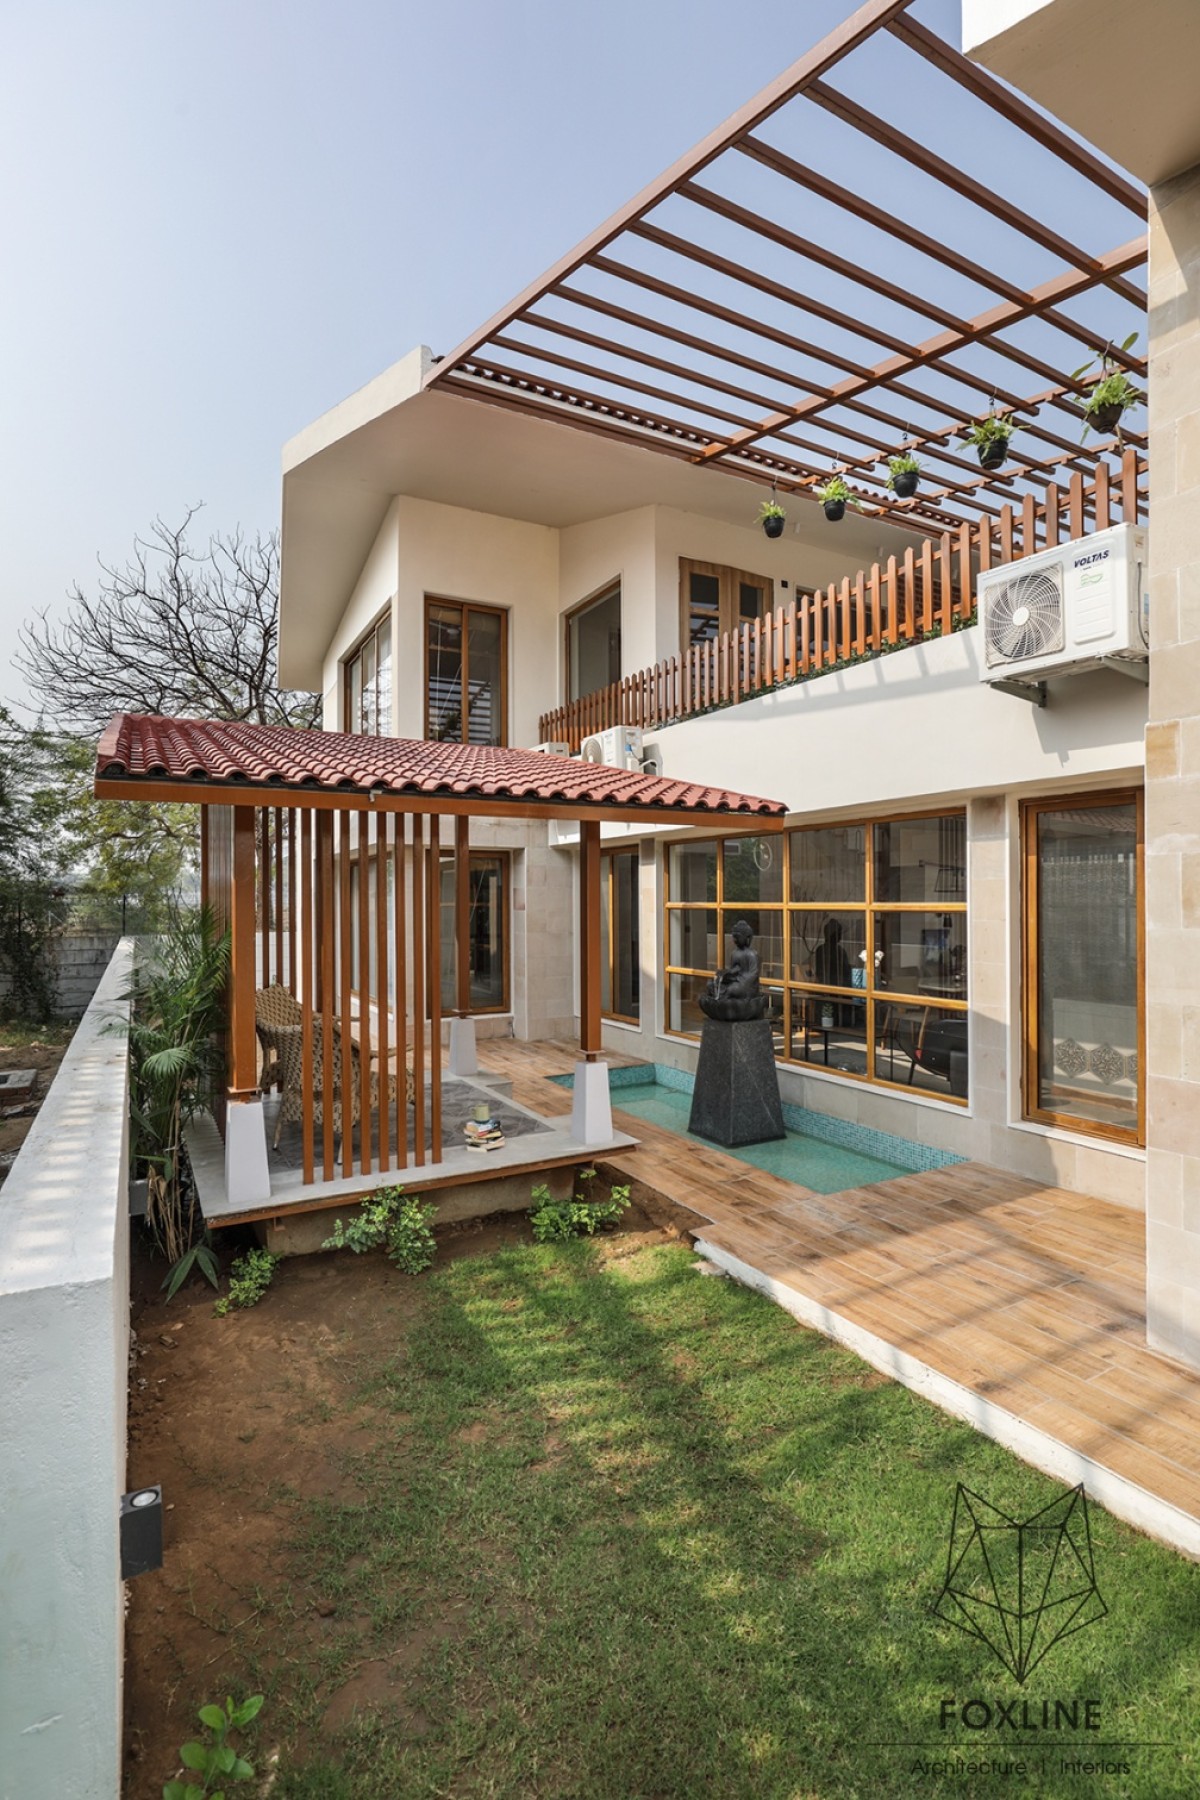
1030 1296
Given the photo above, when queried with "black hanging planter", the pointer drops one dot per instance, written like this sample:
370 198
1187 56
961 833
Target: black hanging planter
1105 418
904 484
773 525
993 454
834 510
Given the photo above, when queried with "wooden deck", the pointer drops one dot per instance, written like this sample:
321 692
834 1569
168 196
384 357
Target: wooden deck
1018 1306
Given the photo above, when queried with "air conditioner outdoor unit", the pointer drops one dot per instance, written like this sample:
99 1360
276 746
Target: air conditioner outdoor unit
555 748
619 746
1067 609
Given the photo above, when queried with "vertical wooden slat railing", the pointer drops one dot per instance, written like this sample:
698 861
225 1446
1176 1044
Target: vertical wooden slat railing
930 589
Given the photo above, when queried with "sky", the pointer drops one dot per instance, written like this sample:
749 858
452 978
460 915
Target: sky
219 219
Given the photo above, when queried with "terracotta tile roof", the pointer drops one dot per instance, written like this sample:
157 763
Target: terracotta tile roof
208 753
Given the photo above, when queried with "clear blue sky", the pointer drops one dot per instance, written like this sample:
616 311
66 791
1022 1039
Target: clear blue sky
220 218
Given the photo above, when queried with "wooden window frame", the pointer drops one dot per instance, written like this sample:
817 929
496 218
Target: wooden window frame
793 989
728 579
466 607
603 592
607 874
383 617
1031 811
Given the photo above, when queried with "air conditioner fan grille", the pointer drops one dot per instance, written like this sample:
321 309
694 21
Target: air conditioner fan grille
1025 617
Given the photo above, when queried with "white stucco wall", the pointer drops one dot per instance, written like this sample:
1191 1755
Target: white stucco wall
64 1348
374 590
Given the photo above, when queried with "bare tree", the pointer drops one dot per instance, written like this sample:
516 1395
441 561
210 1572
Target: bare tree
178 631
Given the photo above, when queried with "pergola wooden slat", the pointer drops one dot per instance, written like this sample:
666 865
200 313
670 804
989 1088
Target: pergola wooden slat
637 308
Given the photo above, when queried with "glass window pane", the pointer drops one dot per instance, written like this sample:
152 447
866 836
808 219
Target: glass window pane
921 1047
354 694
444 673
704 610
683 1013
626 937
753 870
768 939
486 929
752 601
922 953
694 872
605 937
828 948
1087 963
829 865
383 679
830 1033
484 678
921 859
594 645
366 717
693 942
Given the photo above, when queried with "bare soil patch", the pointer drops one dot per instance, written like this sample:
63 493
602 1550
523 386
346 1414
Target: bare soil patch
29 1047
242 1420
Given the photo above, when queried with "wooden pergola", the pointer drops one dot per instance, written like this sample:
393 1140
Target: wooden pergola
710 319
321 853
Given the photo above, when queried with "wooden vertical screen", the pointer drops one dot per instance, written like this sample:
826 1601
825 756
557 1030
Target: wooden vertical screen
400 908
326 977
462 914
383 996
589 939
345 983
417 866
434 939
243 1041
304 953
363 986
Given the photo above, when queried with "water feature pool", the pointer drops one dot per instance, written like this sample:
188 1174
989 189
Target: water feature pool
819 1151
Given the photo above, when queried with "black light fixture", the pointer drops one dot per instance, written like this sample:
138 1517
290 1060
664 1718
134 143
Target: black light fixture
141 1532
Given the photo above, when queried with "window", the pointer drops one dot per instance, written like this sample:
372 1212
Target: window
487 933
367 682
466 686
861 932
714 600
1083 964
594 643
620 936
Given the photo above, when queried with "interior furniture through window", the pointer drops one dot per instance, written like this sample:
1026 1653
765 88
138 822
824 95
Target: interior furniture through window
367 682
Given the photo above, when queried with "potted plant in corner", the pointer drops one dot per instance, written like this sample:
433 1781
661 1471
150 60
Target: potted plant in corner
1110 396
835 497
990 437
772 518
904 474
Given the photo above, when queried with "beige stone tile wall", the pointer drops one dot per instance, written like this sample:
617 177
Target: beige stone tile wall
1173 778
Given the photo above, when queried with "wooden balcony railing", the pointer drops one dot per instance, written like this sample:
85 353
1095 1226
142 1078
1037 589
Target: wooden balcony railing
928 591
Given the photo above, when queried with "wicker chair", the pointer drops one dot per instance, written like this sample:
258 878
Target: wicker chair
276 1011
291 1106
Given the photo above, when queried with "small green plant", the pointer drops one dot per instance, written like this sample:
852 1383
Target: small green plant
554 1221
201 1256
771 509
904 464
218 1761
996 428
1112 394
835 492
249 1279
390 1221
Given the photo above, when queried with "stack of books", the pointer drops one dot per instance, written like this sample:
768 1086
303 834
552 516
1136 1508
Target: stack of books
483 1135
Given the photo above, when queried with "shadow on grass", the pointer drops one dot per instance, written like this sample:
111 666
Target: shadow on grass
642 1535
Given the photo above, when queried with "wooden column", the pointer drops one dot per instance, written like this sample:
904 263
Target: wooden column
589 939
243 1043
462 913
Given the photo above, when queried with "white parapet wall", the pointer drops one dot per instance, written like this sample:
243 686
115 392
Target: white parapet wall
64 1352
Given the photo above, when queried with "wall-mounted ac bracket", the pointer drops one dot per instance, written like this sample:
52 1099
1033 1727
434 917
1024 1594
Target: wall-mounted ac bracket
1137 671
1033 691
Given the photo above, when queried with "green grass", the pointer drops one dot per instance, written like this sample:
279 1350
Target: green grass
49 1034
620 1531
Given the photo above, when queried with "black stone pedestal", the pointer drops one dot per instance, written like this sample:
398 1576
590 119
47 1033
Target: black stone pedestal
736 1097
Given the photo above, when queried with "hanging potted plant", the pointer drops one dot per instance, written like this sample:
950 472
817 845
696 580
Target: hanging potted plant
835 497
772 517
904 475
990 437
1110 396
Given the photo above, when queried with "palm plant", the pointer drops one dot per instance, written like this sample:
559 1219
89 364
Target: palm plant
176 1063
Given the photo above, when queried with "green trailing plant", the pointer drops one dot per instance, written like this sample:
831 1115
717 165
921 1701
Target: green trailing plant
393 1221
1110 396
770 509
249 1278
177 998
215 1763
200 1257
835 492
554 1221
996 428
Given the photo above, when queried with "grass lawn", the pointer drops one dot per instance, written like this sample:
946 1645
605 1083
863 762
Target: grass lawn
618 1530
